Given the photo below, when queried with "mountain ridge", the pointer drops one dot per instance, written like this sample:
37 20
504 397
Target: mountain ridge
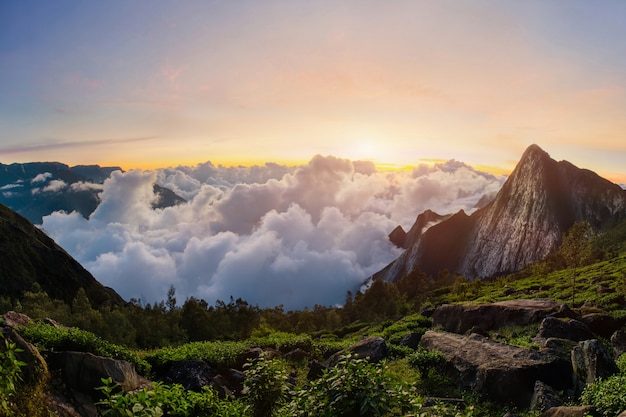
523 224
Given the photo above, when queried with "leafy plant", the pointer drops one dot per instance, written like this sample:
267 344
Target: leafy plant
607 396
427 361
265 385
166 400
10 369
60 339
354 387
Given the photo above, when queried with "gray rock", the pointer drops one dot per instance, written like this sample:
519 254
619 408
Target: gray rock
15 319
36 369
458 318
191 374
590 361
411 340
569 329
503 373
565 411
618 341
544 397
83 372
375 348
601 324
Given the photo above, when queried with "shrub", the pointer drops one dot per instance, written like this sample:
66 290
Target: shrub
265 386
608 396
426 361
166 400
10 369
354 387
49 337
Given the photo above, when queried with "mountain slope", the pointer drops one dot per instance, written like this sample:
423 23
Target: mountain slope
523 224
29 256
37 189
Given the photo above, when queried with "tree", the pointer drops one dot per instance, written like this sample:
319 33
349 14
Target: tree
577 250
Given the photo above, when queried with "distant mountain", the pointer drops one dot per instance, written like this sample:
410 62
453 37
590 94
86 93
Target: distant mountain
29 256
537 204
37 189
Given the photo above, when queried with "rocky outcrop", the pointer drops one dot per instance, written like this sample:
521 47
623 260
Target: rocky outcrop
500 372
568 411
458 318
191 374
374 348
84 372
537 204
570 329
544 397
590 361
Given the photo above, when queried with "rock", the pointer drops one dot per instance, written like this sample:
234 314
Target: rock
316 370
618 341
248 356
459 318
36 370
559 347
234 379
398 237
601 324
565 411
220 384
503 373
296 355
411 340
590 361
83 372
544 398
569 329
191 374
373 347
622 414
15 319
52 323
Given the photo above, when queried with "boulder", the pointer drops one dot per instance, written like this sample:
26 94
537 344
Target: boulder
502 373
590 361
411 340
458 318
14 319
374 348
601 324
569 329
544 397
191 374
296 355
618 341
568 411
83 372
316 370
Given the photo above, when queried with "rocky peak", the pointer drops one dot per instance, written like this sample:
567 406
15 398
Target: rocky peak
537 204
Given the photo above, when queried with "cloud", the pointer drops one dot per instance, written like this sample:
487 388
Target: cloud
81 186
41 178
296 236
11 186
55 186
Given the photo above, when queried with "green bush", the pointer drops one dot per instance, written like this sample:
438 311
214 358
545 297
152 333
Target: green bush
10 376
354 387
607 396
217 354
166 400
426 361
49 337
265 386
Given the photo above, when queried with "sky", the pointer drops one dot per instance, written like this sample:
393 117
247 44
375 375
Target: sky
156 84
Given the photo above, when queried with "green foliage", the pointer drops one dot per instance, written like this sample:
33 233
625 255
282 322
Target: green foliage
10 372
166 400
354 387
427 361
49 337
608 396
265 386
217 354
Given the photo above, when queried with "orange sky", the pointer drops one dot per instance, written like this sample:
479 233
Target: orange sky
156 84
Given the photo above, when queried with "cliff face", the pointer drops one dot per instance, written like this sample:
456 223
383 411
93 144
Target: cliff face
523 224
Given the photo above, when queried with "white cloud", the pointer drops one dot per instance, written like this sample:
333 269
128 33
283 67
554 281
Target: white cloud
85 186
271 235
10 186
43 177
55 186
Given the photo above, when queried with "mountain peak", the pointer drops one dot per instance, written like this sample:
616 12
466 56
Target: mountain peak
539 202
